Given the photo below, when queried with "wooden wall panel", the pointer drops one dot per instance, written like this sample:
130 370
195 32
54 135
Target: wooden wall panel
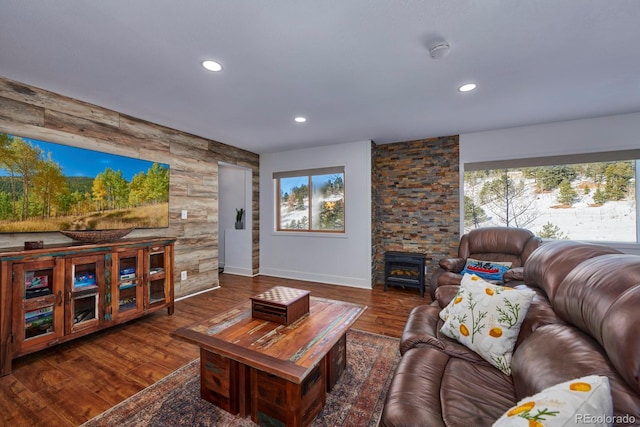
36 113
14 110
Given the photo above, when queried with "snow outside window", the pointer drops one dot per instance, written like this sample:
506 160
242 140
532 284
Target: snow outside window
593 201
310 200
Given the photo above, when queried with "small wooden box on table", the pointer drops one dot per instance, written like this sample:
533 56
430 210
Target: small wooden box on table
280 304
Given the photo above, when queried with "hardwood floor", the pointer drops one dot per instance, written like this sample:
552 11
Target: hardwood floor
73 382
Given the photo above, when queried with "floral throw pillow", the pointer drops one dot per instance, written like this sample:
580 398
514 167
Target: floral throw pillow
490 270
487 318
582 401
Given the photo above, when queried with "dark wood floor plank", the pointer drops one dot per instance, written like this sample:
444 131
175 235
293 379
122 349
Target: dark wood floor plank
109 366
74 401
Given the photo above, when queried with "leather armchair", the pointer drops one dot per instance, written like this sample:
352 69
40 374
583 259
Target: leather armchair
504 244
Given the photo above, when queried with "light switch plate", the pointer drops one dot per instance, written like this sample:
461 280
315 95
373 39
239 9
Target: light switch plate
183 275
183 215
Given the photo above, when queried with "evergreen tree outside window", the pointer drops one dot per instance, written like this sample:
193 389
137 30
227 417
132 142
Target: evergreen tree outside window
588 197
310 200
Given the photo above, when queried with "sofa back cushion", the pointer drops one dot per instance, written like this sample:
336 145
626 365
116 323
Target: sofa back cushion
547 267
556 353
601 297
502 244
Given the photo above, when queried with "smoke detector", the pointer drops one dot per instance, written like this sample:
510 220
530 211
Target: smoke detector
439 51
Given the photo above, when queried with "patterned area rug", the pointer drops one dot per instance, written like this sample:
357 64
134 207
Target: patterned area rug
356 399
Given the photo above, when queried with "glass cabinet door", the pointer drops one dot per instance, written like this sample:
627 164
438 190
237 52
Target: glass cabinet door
157 292
85 276
127 290
39 285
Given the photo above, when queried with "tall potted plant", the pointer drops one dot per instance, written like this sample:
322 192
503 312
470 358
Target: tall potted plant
239 222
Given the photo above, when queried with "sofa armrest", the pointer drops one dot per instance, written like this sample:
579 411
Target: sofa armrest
514 274
444 294
441 277
454 265
423 330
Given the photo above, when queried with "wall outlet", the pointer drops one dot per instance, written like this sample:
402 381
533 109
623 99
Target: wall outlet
183 275
183 214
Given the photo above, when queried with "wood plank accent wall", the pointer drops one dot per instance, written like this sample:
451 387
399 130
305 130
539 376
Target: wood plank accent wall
415 193
39 114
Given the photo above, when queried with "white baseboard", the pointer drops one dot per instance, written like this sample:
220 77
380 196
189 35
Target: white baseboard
354 282
197 293
240 271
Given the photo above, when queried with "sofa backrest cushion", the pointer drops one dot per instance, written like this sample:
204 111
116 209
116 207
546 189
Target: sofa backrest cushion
601 296
556 353
550 263
540 313
504 244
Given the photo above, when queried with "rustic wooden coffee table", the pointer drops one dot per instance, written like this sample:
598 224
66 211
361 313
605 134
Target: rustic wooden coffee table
278 374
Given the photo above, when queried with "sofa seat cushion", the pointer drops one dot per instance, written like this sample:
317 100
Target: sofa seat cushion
556 353
474 394
431 388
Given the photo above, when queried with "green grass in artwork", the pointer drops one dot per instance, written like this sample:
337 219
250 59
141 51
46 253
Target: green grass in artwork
151 216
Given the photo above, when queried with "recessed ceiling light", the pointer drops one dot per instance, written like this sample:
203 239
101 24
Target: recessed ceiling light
300 119
212 65
467 87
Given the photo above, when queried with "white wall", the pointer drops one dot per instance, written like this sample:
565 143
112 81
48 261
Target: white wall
232 195
611 133
327 258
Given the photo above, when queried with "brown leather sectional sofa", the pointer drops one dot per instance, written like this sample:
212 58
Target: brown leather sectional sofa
583 320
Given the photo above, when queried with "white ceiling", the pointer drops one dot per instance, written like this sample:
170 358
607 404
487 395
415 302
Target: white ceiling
358 69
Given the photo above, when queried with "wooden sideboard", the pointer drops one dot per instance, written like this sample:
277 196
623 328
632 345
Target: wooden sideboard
61 292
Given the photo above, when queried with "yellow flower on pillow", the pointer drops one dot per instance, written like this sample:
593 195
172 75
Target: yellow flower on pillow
486 319
580 386
464 330
527 406
564 404
495 332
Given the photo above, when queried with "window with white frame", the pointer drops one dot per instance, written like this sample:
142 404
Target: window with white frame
588 197
310 200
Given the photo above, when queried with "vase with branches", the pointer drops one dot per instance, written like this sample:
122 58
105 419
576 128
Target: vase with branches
239 216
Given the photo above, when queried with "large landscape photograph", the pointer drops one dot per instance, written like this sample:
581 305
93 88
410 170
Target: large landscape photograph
46 186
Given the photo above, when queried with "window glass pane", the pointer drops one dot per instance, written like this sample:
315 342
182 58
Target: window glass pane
589 201
294 203
327 202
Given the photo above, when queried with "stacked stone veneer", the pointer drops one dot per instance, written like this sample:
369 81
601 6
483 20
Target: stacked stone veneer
416 204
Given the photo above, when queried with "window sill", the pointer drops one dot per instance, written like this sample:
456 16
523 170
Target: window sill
310 234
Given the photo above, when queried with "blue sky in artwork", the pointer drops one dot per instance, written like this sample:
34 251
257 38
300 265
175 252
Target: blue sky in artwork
80 162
